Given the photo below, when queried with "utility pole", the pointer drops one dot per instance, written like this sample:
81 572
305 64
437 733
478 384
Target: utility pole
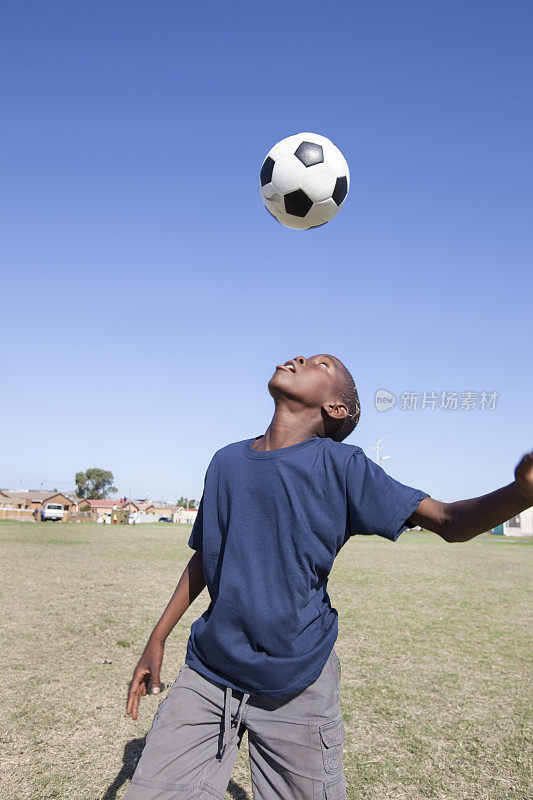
377 448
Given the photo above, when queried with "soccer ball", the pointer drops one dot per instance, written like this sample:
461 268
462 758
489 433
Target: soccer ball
304 181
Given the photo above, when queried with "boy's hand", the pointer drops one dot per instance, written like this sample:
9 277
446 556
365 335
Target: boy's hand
523 476
147 671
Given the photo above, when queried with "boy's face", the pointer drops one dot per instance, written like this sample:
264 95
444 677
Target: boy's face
312 381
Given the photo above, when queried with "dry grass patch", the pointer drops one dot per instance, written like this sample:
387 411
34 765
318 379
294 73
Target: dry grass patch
433 643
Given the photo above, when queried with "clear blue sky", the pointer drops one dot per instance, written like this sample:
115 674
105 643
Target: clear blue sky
147 294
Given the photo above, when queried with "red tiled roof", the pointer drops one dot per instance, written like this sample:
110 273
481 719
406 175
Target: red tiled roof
101 503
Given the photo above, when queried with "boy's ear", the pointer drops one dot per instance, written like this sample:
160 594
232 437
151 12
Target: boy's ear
336 411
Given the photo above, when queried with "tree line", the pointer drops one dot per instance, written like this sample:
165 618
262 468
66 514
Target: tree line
96 484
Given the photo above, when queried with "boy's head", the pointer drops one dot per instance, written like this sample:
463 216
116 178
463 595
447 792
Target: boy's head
322 389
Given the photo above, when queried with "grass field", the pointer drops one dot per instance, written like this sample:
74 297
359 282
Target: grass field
433 641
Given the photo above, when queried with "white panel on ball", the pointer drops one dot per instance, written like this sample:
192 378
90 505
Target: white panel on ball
321 213
318 182
285 148
288 175
293 222
335 159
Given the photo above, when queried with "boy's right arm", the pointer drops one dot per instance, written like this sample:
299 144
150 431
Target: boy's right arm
465 519
191 583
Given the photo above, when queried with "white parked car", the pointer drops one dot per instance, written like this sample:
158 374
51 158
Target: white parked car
52 511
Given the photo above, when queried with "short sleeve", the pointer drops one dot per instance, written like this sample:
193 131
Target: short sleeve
376 502
196 538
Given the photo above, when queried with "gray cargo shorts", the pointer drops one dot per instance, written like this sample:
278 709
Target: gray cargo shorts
295 744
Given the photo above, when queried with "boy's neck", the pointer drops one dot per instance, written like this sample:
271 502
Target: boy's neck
285 430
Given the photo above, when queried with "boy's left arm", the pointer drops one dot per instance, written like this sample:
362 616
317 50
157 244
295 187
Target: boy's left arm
464 519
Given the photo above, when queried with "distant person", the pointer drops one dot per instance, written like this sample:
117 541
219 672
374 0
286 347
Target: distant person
275 512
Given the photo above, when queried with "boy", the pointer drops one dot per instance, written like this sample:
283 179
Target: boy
274 513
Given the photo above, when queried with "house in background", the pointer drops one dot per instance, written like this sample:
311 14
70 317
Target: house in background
161 509
185 515
23 503
522 525
27 504
134 506
99 507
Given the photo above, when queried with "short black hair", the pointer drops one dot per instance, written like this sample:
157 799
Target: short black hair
347 394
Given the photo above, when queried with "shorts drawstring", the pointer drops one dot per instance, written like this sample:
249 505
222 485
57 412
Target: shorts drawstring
227 738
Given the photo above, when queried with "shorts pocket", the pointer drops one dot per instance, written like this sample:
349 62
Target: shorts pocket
155 719
162 703
335 790
337 664
332 735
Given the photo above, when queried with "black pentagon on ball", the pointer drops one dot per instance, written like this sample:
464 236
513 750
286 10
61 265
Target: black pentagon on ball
266 170
310 153
297 203
341 190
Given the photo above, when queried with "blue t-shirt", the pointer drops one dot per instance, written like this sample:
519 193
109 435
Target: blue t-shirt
269 527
